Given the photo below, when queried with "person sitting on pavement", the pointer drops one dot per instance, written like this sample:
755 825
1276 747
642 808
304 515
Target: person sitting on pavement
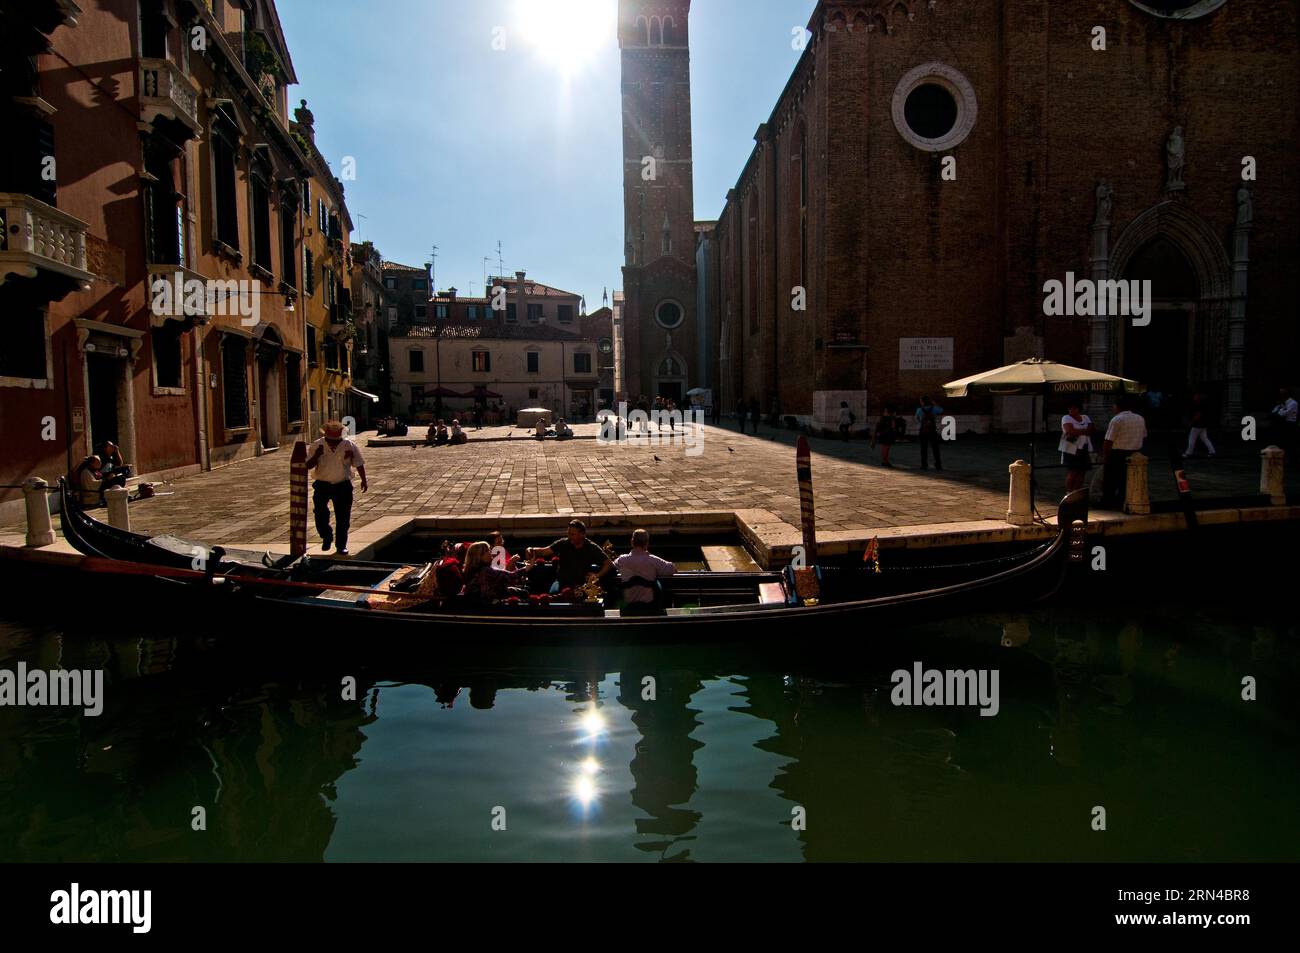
458 436
577 555
640 571
437 435
541 430
562 430
88 481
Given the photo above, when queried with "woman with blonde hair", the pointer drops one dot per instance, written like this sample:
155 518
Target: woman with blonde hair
483 582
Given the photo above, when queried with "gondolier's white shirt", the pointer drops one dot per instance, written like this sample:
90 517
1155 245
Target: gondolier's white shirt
335 466
1127 431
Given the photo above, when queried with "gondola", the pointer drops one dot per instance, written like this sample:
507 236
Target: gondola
318 594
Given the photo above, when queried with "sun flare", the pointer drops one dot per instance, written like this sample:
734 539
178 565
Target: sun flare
568 35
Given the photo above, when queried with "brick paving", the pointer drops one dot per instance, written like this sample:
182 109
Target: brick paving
248 502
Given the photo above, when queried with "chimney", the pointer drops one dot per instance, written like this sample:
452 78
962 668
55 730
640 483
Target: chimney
521 307
450 293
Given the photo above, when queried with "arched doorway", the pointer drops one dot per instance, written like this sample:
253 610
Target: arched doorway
670 378
1190 342
269 368
1161 354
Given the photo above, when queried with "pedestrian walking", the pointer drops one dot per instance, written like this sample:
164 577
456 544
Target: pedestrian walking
888 429
1284 422
1124 437
927 415
753 413
333 457
1198 420
846 420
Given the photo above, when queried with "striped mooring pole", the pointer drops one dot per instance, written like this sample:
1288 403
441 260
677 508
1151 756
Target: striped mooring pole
803 467
298 500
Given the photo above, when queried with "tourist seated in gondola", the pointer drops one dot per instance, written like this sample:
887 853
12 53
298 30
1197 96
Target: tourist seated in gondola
484 583
458 436
578 558
639 572
562 430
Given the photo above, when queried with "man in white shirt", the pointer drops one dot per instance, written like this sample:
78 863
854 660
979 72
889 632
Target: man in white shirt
639 571
333 457
1124 437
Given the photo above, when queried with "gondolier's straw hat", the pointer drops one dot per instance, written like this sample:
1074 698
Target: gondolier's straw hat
332 428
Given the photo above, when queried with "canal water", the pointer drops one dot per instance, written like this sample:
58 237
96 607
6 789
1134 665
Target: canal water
1117 699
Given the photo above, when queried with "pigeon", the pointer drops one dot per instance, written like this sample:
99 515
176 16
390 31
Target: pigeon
730 450
657 460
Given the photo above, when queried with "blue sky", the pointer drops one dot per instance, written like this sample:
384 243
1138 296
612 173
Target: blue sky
458 144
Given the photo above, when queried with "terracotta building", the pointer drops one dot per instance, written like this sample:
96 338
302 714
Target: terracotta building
931 166
330 329
660 324
151 143
369 311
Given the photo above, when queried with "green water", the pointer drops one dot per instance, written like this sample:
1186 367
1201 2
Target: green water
1137 710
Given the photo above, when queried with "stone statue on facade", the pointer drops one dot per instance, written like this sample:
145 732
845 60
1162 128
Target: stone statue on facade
1245 207
1102 216
1174 150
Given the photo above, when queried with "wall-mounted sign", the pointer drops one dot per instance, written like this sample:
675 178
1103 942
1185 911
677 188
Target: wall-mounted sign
78 419
925 354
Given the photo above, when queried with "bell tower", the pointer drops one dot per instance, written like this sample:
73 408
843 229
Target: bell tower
659 282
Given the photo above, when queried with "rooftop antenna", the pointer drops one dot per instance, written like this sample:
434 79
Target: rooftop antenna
360 216
433 268
486 262
501 262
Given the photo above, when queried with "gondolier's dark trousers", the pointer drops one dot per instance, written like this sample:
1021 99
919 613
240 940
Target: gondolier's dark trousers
1114 479
340 494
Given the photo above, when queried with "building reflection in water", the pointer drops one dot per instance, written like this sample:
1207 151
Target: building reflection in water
663 768
260 755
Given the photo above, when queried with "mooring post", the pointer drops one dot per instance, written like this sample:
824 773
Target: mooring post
40 528
1137 495
1272 475
807 515
298 500
1020 505
119 515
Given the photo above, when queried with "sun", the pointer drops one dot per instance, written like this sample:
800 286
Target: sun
567 35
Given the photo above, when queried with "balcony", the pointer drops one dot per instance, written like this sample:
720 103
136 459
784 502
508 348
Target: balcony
36 238
165 92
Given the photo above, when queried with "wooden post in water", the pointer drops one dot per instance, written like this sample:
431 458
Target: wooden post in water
805 577
803 468
298 500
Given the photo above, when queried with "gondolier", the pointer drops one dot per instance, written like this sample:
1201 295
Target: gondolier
332 457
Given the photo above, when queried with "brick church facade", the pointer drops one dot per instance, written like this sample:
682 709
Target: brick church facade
932 163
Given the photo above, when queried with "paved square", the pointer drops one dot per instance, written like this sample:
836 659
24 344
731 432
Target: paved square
248 502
